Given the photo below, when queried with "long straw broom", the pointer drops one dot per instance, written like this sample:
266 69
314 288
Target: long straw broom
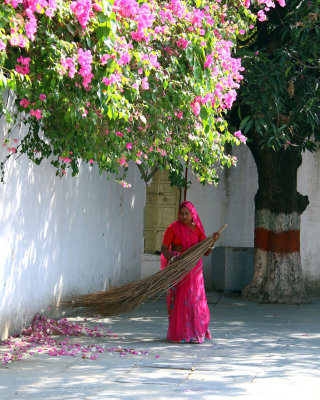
125 298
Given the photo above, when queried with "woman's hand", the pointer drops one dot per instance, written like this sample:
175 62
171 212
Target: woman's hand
174 258
169 255
215 237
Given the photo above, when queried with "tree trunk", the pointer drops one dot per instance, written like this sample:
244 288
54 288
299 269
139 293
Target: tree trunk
277 263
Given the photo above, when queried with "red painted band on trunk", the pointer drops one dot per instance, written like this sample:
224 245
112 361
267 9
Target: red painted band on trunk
282 242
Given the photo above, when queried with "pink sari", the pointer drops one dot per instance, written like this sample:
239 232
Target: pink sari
188 310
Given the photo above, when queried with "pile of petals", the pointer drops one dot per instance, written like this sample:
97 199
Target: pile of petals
36 340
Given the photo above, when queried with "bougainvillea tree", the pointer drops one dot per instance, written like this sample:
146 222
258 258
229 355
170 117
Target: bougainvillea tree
112 82
279 104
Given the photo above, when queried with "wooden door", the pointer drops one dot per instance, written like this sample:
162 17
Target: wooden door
162 204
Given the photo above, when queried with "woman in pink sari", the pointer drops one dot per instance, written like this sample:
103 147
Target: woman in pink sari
188 310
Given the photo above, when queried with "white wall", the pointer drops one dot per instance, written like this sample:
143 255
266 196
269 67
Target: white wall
64 236
232 202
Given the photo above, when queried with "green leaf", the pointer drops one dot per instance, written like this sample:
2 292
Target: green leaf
189 55
244 121
102 18
204 113
102 32
110 113
197 72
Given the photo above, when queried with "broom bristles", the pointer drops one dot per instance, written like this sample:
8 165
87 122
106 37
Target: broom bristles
121 299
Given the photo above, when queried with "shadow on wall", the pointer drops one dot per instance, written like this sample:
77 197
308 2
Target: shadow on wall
63 236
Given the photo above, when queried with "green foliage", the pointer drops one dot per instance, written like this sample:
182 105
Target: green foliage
112 124
280 96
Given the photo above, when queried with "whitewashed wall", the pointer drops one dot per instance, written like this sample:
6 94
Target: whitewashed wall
63 236
232 202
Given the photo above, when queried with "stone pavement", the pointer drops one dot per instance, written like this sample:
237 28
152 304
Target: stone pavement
257 352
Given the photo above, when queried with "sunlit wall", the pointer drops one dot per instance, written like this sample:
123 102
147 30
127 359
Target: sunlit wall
60 236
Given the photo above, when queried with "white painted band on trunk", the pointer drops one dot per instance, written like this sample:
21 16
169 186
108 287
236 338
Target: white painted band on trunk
277 278
277 222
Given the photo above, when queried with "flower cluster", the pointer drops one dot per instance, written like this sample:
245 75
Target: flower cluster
150 74
23 67
241 137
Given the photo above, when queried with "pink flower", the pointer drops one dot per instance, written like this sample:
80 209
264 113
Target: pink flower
145 83
31 25
124 185
85 60
195 105
65 159
182 43
82 10
261 16
114 78
24 103
129 146
3 45
124 59
123 161
42 97
22 70
104 59
91 161
97 7
36 113
230 97
22 41
209 61
241 137
119 134
24 60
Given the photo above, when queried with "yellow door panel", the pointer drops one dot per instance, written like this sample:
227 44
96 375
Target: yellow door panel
162 203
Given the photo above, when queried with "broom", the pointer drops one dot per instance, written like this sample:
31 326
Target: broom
121 299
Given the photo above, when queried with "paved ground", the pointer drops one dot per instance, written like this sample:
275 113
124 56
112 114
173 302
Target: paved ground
258 352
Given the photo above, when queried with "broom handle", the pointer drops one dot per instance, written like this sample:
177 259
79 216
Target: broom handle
201 244
222 228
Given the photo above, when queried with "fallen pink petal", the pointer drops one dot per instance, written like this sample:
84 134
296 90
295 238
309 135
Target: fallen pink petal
37 339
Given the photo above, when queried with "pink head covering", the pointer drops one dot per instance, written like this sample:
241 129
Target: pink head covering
194 214
177 227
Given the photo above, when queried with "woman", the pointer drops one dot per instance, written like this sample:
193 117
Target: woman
188 310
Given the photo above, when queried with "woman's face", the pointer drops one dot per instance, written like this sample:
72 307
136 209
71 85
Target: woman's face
185 216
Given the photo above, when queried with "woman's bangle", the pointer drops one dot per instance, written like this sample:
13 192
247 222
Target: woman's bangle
172 258
212 247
